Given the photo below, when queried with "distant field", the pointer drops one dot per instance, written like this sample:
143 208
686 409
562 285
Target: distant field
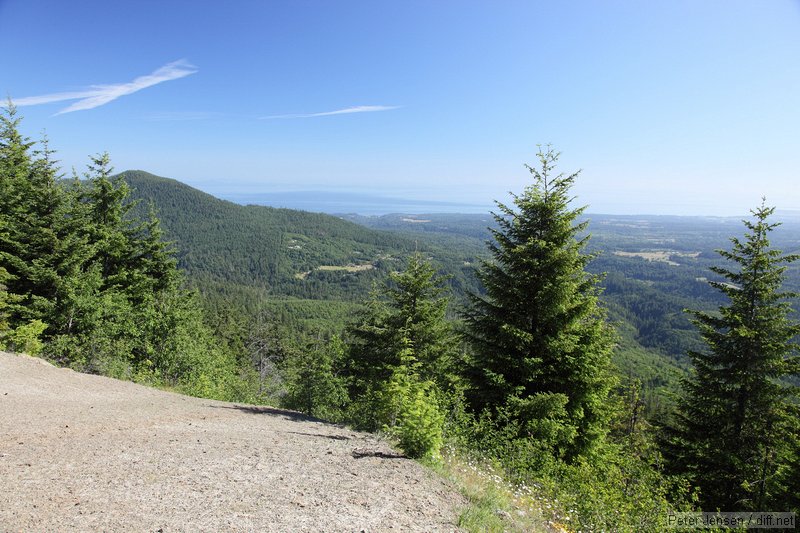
347 268
334 268
659 255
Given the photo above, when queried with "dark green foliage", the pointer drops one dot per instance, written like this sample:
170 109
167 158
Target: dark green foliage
222 243
87 278
267 352
124 300
644 298
541 346
277 249
655 313
409 313
620 488
312 383
36 237
301 260
736 430
90 284
228 249
5 305
130 248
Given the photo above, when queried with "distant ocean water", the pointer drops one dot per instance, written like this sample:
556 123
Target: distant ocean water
345 203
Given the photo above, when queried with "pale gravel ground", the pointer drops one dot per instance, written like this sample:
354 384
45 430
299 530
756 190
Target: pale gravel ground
88 453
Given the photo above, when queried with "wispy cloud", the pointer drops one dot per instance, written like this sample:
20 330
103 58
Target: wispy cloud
97 95
345 111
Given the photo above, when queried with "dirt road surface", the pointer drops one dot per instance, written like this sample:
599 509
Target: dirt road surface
88 453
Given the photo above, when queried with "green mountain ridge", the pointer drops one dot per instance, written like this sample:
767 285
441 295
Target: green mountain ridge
312 270
263 247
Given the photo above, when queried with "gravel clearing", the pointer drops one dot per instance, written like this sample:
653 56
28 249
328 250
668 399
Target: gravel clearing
88 453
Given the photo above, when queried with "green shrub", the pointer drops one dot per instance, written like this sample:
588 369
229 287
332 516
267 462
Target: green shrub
27 338
412 411
620 488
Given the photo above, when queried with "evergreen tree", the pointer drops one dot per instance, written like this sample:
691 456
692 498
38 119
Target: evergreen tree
108 224
267 352
736 429
312 383
151 259
4 306
410 406
540 343
81 272
37 244
418 296
409 311
182 352
410 308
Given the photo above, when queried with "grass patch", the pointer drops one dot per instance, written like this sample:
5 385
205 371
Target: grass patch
494 504
335 268
659 255
347 268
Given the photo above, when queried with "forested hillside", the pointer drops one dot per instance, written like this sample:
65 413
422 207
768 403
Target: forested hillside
654 268
311 270
552 355
308 268
279 250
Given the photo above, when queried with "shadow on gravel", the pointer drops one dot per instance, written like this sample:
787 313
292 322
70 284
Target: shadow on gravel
264 410
332 437
360 453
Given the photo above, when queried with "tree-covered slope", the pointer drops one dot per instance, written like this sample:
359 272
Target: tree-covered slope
281 252
654 268
312 269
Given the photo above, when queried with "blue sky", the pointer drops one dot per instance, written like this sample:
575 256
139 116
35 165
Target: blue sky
680 107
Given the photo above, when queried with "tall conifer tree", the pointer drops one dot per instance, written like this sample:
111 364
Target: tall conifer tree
409 309
736 431
4 307
541 346
407 316
35 245
97 283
